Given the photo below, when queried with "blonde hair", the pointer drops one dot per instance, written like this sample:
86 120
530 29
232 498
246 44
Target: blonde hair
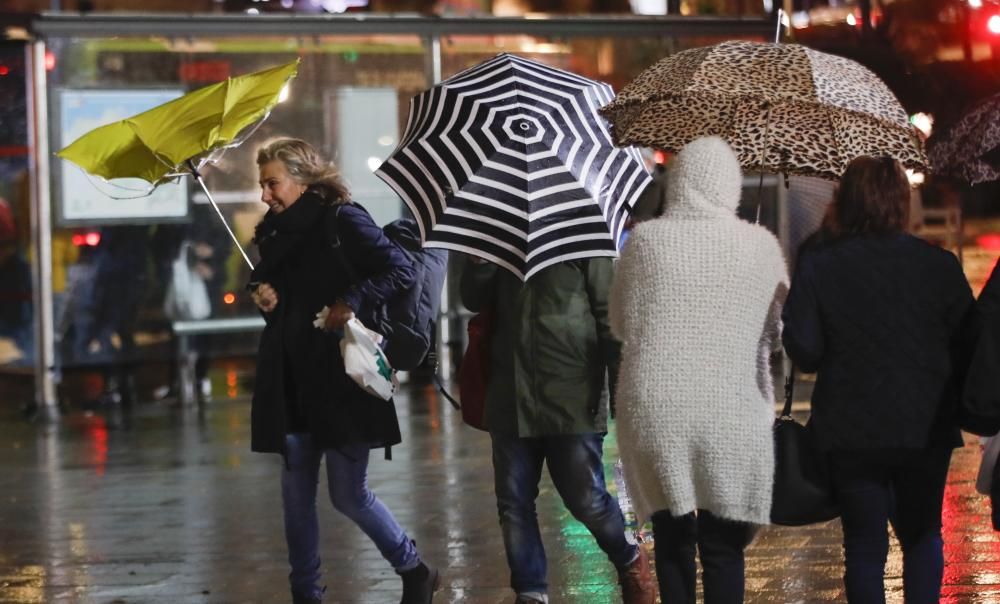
306 166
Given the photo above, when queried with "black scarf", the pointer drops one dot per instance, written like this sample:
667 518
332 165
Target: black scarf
277 234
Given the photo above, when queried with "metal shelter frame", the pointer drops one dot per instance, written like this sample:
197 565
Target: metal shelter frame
48 26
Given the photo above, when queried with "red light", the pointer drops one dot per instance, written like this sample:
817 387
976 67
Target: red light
993 25
229 298
659 156
90 239
50 60
4 70
989 241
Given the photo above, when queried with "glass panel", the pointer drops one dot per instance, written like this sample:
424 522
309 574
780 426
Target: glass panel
615 60
16 309
349 99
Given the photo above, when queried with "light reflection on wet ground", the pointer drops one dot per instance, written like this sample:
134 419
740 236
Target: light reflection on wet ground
168 505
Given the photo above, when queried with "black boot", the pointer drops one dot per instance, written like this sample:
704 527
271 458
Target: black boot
300 599
419 584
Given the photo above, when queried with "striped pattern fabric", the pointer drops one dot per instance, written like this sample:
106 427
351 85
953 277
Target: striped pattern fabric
509 161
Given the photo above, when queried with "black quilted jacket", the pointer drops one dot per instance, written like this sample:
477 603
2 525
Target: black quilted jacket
881 321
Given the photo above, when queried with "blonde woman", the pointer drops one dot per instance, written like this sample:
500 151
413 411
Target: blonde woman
304 405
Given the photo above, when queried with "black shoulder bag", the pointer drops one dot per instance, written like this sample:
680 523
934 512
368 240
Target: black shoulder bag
802 490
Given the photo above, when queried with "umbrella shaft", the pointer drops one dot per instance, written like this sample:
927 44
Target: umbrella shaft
201 181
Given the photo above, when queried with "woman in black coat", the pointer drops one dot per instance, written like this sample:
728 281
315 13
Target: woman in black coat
304 405
879 315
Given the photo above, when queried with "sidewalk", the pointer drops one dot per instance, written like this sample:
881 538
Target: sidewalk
168 505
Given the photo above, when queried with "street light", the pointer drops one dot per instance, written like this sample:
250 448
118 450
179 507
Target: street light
993 25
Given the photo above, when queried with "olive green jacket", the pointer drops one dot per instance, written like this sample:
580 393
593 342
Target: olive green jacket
552 347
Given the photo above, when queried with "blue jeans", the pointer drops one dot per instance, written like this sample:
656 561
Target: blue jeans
577 471
898 486
718 542
347 479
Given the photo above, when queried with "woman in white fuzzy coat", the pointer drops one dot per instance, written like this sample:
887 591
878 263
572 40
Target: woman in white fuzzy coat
696 301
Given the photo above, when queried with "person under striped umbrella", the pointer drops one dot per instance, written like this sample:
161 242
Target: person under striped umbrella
509 161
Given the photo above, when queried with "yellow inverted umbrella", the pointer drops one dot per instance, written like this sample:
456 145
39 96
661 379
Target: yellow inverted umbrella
158 144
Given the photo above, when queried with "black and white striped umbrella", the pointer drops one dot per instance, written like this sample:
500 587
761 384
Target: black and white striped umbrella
509 161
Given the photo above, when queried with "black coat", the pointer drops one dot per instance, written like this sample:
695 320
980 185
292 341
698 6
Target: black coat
301 384
880 320
981 404
982 385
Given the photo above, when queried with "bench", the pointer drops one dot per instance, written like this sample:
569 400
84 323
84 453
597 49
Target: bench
186 357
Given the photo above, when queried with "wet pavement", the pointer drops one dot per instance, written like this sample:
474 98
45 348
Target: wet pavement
166 504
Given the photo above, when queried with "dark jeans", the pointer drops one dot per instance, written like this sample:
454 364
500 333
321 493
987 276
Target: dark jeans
905 487
347 481
720 544
577 470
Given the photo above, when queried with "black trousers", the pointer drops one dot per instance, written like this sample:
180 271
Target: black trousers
719 543
898 486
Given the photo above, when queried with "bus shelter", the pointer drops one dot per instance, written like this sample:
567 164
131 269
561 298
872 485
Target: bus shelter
101 261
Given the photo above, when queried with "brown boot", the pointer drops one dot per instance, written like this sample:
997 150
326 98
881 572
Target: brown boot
637 582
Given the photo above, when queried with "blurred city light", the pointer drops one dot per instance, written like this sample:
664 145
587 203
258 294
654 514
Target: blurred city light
989 241
993 24
90 239
915 178
923 122
649 7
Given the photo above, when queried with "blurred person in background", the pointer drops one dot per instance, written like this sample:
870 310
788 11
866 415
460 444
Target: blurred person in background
106 308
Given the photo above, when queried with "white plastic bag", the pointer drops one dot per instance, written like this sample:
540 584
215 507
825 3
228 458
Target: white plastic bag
187 295
365 362
991 449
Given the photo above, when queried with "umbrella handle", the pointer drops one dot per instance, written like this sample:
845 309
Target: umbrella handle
201 181
763 160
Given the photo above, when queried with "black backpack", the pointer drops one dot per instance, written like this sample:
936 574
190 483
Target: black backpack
407 320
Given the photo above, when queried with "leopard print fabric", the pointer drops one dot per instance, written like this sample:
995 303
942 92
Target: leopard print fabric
786 107
970 149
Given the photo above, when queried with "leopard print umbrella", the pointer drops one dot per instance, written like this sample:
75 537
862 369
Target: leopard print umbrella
970 149
802 111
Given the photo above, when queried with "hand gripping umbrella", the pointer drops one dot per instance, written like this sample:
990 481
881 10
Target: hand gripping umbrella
510 162
182 135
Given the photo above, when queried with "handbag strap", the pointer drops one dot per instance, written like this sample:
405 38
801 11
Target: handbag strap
789 389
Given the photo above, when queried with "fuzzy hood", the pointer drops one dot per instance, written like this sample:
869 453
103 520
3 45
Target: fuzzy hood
704 180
